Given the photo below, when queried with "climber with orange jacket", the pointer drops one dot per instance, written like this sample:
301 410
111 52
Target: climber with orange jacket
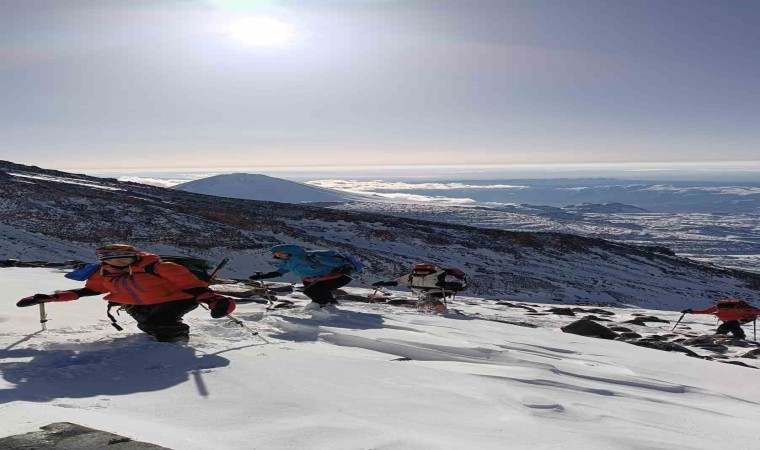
157 294
733 313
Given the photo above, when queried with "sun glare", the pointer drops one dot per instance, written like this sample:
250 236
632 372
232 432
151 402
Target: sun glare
259 31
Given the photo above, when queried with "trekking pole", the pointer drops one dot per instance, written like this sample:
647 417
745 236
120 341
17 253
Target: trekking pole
43 316
679 321
242 324
219 267
267 295
237 321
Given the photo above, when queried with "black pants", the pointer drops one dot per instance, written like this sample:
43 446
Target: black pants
732 326
321 291
164 320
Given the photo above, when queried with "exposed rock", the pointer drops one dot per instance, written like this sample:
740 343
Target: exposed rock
561 311
512 322
601 312
592 317
516 305
64 435
700 340
738 363
664 346
735 342
585 327
620 329
643 319
713 348
626 336
752 354
655 338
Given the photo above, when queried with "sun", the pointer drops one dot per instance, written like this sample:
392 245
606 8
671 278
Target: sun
259 31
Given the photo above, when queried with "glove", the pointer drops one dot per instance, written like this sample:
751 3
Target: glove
219 305
264 276
36 299
686 311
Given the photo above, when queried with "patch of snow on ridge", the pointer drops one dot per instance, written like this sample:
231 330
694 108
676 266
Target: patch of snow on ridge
65 180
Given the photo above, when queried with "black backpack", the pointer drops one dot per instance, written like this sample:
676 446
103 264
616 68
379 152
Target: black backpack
201 268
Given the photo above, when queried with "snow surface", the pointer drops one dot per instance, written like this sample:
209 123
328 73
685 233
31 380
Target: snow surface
341 381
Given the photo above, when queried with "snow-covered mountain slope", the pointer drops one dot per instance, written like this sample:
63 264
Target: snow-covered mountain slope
262 187
66 214
367 376
729 240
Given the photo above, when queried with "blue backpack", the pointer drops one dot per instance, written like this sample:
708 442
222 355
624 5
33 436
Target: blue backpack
335 259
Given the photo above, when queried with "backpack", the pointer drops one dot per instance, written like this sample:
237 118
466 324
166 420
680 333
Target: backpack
732 304
453 276
82 272
201 268
450 279
346 263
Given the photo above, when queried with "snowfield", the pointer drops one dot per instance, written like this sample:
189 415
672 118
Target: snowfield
368 376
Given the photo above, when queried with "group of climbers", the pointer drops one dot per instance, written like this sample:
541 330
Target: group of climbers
157 293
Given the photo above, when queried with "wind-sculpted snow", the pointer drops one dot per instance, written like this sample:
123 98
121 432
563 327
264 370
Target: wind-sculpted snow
369 376
60 221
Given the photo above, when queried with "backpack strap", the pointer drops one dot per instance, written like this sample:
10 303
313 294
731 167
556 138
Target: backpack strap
151 268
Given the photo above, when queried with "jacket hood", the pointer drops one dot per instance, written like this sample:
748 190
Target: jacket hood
145 259
287 248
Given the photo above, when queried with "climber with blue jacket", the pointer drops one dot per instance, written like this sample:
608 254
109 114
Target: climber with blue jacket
321 271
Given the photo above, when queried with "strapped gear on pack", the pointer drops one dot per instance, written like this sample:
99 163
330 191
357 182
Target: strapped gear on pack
428 276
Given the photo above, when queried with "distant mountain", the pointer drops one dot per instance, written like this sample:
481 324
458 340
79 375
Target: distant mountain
602 208
53 215
249 186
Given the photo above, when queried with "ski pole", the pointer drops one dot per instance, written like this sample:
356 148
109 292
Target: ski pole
679 321
43 316
373 295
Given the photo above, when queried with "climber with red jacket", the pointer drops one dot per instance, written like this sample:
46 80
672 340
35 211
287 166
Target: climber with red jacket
157 294
733 313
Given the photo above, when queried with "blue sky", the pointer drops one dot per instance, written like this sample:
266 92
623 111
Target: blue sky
109 84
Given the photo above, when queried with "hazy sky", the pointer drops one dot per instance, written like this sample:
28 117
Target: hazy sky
185 83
